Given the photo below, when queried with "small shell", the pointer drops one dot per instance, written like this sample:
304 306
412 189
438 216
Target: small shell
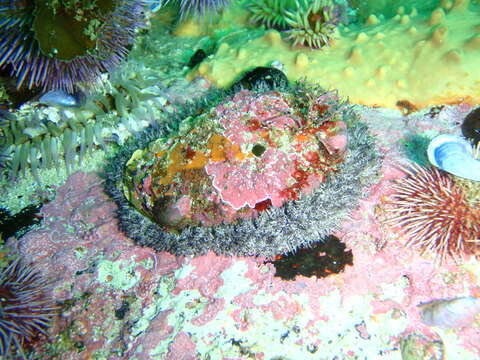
451 313
156 5
454 154
61 98
278 65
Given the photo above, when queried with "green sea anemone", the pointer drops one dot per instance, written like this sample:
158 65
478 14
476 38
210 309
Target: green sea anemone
271 13
313 23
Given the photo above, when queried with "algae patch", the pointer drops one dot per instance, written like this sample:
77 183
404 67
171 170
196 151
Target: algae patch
119 275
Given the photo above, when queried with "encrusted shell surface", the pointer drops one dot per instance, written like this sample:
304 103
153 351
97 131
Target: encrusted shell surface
454 155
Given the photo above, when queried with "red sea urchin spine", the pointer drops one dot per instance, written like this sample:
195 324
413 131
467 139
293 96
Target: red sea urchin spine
434 214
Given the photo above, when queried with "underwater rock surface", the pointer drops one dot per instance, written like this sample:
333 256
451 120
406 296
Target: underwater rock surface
146 304
124 301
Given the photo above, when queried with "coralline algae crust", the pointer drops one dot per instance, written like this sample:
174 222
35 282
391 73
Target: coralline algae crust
289 325
119 275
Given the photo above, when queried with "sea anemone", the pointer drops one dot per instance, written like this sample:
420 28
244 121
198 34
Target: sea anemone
433 212
271 13
25 309
55 44
193 7
313 23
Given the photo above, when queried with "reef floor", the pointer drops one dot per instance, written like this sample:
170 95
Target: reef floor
122 301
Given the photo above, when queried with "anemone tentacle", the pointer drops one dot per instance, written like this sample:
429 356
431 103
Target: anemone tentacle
191 7
313 23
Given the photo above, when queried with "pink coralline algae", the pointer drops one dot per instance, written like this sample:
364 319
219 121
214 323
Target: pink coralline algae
239 186
250 152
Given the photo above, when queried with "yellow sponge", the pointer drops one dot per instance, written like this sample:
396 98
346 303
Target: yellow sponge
412 59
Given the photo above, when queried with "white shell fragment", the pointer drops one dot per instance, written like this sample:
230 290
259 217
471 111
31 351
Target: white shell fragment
279 66
451 313
61 98
454 155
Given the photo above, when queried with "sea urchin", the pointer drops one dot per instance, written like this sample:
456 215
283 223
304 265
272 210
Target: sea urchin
25 310
434 213
55 44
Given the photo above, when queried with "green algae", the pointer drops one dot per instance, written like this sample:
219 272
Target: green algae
471 189
415 148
